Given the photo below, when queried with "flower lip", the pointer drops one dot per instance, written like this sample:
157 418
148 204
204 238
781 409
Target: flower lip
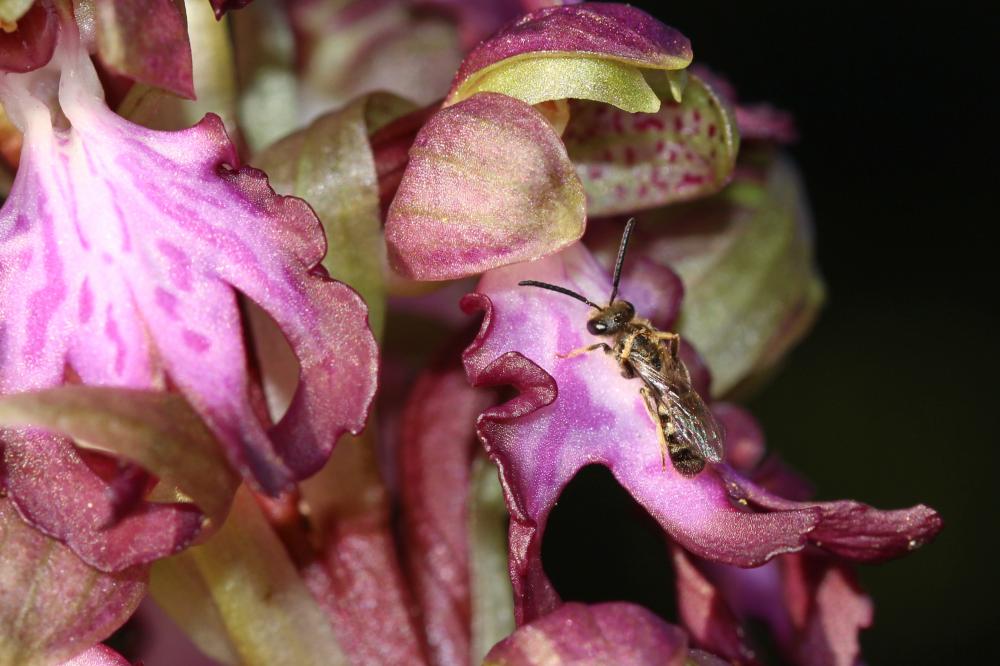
572 412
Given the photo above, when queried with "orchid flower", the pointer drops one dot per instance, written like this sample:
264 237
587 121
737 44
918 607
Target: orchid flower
190 346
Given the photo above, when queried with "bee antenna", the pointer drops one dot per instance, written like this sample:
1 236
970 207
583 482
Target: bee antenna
621 258
557 288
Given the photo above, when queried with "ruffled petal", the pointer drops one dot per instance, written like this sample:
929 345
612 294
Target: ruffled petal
488 184
591 51
630 162
609 633
157 234
572 412
52 605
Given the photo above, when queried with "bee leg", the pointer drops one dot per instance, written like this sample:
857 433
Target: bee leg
585 350
627 348
652 407
672 338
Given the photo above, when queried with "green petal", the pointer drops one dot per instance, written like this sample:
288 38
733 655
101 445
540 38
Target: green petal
540 79
752 288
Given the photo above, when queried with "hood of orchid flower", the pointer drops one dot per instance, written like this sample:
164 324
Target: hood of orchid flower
124 255
573 412
489 180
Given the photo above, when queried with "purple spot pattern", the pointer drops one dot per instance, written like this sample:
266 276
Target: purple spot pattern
635 161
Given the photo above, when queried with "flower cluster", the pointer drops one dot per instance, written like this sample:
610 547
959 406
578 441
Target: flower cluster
184 337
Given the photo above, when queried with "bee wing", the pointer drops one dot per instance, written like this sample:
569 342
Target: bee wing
694 423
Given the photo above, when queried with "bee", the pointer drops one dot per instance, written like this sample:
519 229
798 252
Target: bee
689 434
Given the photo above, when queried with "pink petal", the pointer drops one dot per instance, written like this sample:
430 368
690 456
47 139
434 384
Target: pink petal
488 184
573 412
609 633
605 30
52 605
569 413
122 251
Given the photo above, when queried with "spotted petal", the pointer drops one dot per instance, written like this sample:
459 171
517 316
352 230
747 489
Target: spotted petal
630 162
572 412
123 251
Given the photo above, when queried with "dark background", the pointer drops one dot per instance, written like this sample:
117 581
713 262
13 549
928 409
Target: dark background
890 399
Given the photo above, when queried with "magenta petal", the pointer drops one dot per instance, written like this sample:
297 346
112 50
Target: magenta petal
849 529
609 633
54 490
704 612
122 253
574 412
614 31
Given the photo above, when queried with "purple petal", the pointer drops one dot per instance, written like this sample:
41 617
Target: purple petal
32 44
52 605
635 161
574 412
122 251
604 30
56 491
146 41
706 614
849 529
488 184
609 633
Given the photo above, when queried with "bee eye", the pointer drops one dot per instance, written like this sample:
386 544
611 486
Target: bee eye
596 327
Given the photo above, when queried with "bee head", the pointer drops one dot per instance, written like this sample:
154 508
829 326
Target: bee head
611 319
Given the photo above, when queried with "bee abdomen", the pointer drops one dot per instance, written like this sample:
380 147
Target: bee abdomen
684 458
